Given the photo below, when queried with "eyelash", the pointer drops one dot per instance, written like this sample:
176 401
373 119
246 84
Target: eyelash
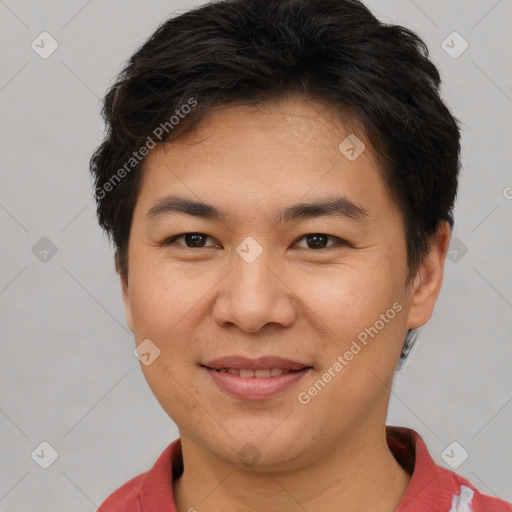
169 241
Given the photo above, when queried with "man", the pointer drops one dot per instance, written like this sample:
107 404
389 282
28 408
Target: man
278 178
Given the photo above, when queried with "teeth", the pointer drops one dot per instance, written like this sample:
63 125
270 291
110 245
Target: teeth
261 374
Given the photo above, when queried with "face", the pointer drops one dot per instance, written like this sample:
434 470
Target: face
260 274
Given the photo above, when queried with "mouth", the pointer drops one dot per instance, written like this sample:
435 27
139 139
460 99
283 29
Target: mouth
255 379
247 373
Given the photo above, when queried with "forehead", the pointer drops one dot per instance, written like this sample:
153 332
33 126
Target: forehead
288 123
258 156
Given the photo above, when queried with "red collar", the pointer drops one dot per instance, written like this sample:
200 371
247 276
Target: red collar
432 487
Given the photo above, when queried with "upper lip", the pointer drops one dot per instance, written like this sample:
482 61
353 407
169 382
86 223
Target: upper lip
261 363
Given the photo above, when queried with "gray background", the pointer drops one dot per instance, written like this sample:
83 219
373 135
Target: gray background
67 372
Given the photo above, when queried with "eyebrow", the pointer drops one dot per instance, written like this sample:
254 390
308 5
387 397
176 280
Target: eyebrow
338 206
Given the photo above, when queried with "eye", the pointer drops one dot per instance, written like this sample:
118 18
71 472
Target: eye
191 240
319 240
198 240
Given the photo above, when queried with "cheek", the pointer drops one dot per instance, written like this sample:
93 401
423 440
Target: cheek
363 316
349 297
163 295
361 351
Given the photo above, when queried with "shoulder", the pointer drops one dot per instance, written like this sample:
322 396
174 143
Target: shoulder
126 498
467 497
433 487
151 490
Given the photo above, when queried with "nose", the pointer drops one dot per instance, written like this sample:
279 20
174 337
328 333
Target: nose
253 295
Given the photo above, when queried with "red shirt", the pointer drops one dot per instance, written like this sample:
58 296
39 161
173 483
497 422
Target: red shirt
432 488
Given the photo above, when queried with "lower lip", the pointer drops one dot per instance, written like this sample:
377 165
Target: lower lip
255 388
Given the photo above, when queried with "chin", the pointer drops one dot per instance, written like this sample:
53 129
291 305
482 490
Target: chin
263 450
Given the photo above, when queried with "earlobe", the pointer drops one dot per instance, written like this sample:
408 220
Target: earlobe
428 280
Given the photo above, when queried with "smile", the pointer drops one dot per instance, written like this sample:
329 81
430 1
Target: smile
248 384
259 374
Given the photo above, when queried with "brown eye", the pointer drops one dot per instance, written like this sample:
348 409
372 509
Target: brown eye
191 240
319 240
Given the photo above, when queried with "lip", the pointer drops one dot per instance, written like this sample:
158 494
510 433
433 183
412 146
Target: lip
261 363
255 388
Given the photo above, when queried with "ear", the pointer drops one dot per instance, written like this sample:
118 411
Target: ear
427 283
126 294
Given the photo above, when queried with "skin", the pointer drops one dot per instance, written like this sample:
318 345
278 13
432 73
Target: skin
294 301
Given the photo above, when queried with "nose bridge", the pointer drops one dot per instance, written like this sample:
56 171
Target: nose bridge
254 279
252 295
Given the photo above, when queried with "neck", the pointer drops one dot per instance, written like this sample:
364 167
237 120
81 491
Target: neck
359 473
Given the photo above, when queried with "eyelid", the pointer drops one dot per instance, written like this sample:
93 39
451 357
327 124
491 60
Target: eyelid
341 241
171 239
168 241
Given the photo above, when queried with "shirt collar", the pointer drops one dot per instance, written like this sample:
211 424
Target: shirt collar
428 488
425 488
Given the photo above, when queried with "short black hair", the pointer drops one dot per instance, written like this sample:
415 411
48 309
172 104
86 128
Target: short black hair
245 52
